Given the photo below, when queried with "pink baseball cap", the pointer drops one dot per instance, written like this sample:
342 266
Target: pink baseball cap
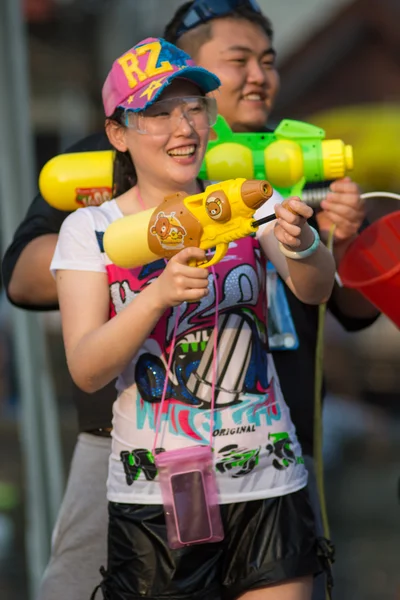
140 75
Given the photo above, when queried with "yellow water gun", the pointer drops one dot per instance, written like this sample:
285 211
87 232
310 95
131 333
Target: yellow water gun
221 214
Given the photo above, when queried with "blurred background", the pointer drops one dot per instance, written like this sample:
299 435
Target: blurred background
339 62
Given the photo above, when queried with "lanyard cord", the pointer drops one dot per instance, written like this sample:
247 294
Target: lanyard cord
172 348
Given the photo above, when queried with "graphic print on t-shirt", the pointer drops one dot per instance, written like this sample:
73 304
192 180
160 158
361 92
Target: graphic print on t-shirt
247 399
233 459
241 378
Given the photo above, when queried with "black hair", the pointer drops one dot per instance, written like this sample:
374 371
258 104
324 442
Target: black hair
193 40
124 172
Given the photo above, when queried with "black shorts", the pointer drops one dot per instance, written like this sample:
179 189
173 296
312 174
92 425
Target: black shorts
266 542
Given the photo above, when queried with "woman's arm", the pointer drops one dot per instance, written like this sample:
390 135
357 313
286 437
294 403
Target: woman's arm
98 349
310 279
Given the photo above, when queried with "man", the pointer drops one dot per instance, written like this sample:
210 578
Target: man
250 83
238 48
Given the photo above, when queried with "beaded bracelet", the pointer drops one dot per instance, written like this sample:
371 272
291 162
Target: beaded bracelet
300 254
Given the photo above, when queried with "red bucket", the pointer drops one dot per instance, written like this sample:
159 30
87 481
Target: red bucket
372 265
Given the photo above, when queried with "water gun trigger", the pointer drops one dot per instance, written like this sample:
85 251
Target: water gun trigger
220 251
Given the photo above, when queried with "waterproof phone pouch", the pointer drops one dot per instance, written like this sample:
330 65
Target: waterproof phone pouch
190 496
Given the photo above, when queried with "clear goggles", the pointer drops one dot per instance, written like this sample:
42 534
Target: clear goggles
202 11
164 117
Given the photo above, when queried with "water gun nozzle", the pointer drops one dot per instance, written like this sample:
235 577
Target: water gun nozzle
349 157
254 192
337 158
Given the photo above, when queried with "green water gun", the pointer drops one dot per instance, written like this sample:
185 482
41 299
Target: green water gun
294 154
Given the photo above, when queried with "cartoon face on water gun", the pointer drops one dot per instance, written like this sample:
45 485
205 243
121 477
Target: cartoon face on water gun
169 231
294 154
221 214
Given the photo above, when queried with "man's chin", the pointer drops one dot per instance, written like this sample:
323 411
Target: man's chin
251 123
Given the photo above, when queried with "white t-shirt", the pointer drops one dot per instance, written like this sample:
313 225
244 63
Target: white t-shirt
256 452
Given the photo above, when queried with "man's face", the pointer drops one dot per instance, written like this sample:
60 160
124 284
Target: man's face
241 54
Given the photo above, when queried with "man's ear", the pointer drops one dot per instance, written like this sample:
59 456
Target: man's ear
116 134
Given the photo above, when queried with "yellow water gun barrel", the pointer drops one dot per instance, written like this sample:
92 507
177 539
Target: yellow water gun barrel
221 214
70 181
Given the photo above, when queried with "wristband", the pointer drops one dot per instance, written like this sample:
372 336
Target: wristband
300 254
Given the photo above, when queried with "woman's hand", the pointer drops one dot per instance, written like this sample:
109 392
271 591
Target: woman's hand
291 228
181 283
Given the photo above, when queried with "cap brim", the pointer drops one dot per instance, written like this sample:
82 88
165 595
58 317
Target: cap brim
204 79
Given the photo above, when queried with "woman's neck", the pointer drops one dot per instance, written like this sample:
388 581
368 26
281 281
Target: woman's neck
152 195
145 195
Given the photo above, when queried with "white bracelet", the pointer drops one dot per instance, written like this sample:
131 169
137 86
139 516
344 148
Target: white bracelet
300 254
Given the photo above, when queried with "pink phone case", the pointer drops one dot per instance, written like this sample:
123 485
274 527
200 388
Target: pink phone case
190 496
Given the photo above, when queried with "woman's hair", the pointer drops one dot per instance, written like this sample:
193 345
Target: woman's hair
124 172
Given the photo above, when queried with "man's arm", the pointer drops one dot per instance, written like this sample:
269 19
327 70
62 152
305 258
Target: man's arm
34 287
25 266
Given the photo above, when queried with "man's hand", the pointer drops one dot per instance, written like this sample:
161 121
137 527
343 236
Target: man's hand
344 208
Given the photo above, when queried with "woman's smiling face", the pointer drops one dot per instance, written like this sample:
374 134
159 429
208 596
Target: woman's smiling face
168 140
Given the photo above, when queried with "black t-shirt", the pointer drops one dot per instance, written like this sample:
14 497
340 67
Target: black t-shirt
296 368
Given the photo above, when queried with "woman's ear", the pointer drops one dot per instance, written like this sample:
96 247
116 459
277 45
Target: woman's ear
116 134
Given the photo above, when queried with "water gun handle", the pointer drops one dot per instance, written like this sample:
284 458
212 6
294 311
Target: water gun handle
220 251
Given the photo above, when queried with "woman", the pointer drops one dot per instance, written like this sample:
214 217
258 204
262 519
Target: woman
190 353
